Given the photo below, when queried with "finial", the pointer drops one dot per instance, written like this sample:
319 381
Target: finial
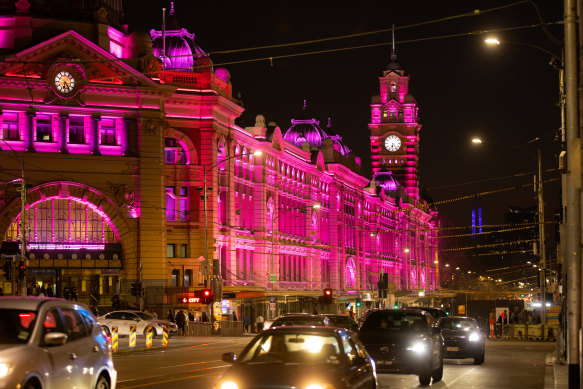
172 13
329 123
303 109
394 51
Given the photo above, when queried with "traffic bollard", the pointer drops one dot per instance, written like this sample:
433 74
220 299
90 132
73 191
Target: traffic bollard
132 336
165 336
149 337
114 339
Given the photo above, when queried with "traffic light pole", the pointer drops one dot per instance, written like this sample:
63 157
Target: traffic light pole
23 289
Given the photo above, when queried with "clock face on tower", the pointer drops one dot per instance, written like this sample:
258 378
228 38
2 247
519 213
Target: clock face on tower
392 143
65 82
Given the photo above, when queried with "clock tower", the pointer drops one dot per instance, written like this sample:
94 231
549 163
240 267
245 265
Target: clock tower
394 130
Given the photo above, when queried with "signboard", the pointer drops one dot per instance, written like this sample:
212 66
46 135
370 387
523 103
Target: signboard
553 314
217 305
273 277
189 300
272 300
272 306
225 307
205 268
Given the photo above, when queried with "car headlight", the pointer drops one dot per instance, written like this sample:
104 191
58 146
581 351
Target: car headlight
418 348
474 337
5 369
228 385
319 386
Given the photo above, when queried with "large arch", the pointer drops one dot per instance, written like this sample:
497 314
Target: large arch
186 143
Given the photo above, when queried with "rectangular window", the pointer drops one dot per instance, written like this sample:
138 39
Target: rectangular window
170 204
183 204
44 128
183 251
108 132
171 250
10 126
76 130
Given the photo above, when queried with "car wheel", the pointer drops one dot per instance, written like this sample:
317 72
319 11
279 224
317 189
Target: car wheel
425 379
31 385
102 383
478 359
438 373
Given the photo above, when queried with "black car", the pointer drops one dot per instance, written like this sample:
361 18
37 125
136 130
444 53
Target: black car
436 313
299 319
404 341
341 321
301 357
462 338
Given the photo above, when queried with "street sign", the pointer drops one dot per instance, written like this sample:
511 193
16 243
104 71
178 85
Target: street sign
205 267
273 277
272 306
272 300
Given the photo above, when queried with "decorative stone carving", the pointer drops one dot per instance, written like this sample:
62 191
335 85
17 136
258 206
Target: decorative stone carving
125 198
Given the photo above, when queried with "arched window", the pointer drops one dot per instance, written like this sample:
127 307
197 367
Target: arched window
63 220
350 273
175 152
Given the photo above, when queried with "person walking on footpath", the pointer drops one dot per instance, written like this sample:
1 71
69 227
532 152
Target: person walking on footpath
170 316
260 321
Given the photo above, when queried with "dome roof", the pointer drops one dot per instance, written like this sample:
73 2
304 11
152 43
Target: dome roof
181 51
307 129
384 179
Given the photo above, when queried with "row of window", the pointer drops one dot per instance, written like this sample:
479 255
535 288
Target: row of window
171 250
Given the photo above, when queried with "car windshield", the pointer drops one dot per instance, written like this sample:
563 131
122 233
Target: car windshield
144 316
340 320
457 324
299 321
293 348
396 321
16 325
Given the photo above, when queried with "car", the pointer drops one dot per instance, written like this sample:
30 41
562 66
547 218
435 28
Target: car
300 319
436 313
341 321
462 338
142 320
300 357
52 343
404 341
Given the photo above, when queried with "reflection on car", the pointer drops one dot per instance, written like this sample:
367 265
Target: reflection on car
462 338
300 357
142 320
341 321
436 313
299 319
403 341
52 343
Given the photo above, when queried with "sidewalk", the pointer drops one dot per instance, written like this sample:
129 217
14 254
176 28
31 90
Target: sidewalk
560 376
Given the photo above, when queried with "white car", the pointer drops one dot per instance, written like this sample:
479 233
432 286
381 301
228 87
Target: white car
52 343
142 320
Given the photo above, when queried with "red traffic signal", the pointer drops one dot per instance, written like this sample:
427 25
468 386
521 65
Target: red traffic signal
327 297
206 296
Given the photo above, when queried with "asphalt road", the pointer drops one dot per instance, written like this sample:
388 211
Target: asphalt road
196 362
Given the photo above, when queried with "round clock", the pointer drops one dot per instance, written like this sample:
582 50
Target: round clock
65 82
392 143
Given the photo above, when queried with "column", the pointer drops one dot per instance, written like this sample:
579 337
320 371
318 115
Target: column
127 147
94 135
29 130
62 141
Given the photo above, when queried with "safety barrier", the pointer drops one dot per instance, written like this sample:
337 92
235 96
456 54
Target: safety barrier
114 339
518 331
231 328
535 332
165 335
149 334
132 336
196 328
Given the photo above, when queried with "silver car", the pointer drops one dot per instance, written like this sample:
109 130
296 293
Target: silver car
52 343
142 320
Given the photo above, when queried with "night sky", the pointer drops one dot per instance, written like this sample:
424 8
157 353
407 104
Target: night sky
507 95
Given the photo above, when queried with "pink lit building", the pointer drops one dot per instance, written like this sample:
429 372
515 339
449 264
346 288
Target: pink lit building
120 133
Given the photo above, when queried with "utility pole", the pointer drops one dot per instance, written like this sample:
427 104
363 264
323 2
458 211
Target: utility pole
542 248
23 289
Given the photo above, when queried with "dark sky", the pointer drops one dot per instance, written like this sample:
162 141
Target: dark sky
507 95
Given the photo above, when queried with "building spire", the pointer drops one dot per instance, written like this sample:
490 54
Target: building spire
393 51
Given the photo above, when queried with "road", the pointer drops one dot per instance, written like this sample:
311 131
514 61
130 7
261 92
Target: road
196 362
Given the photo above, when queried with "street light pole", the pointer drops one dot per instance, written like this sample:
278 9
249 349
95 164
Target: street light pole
542 248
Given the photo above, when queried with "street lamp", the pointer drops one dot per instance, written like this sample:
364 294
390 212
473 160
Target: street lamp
218 284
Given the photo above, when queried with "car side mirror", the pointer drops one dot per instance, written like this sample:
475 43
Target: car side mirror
229 357
435 331
55 338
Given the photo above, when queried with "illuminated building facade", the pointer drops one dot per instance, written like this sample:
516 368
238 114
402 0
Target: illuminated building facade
116 137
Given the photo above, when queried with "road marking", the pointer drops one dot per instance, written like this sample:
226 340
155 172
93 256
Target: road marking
191 363
170 379
461 376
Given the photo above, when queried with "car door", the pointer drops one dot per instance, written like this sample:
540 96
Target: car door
358 367
115 319
133 319
84 354
64 363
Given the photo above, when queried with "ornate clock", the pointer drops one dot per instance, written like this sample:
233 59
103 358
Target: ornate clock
392 143
65 82
66 79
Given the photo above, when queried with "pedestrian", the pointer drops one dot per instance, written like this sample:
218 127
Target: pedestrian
190 316
66 292
73 291
246 323
170 316
260 321
180 322
204 318
50 292
315 311
234 316
115 302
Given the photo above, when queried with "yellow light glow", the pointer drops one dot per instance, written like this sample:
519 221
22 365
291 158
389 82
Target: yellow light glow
229 385
314 345
257 153
491 41
476 141
316 206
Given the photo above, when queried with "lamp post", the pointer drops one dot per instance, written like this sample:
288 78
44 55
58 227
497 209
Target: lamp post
218 284
541 225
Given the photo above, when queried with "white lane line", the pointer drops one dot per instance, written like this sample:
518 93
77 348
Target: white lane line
157 376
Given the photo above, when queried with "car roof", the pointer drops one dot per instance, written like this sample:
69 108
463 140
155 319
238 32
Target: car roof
29 302
306 329
458 318
288 315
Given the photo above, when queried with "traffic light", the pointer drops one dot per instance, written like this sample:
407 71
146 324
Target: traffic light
206 296
136 289
383 281
328 296
358 302
7 270
21 270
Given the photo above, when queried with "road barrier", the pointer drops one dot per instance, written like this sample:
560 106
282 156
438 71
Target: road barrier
165 335
535 332
132 336
149 333
114 339
195 328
